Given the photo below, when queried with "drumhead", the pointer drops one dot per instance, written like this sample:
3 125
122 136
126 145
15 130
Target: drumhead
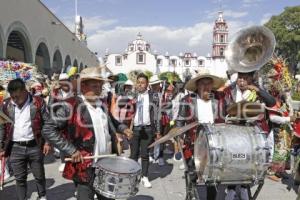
119 164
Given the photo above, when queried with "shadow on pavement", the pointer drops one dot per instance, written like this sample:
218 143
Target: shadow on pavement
9 192
289 181
61 192
141 197
156 171
49 159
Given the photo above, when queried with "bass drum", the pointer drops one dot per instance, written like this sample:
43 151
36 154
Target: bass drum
231 154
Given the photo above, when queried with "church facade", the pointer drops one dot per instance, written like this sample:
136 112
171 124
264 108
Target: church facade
139 56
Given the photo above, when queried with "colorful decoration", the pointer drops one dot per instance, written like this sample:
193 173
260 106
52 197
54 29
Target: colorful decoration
10 70
276 75
71 71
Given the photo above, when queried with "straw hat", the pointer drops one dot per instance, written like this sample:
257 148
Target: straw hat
204 73
129 82
92 73
63 77
154 80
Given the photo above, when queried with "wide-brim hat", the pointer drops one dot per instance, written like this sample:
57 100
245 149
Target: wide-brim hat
63 77
129 82
154 80
92 73
191 84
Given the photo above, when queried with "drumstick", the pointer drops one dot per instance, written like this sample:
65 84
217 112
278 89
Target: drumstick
93 157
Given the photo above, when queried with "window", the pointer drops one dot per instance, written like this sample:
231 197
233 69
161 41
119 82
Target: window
118 60
159 62
222 38
187 62
200 62
221 51
147 47
140 58
173 62
131 48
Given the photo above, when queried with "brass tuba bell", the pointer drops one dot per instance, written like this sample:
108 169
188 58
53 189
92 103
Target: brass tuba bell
250 49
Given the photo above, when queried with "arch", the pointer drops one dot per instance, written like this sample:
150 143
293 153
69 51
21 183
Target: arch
1 42
57 63
68 61
18 45
75 63
80 67
221 51
42 58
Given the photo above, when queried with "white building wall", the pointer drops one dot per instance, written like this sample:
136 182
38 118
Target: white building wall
34 19
130 63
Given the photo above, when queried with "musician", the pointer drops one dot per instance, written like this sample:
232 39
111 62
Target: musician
203 106
146 125
89 131
23 141
156 86
244 89
64 91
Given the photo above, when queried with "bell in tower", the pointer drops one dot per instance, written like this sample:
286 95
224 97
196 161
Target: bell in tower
220 37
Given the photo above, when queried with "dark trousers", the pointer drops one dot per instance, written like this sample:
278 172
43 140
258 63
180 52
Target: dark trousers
142 138
164 131
20 158
86 192
211 192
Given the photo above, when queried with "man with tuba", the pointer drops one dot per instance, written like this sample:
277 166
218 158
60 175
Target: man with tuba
203 106
249 50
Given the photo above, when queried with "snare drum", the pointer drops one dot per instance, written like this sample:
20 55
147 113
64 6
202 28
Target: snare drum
117 177
231 154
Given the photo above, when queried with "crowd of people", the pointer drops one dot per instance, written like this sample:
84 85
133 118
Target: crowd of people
87 114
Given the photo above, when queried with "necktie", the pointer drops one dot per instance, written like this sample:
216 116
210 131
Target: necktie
140 110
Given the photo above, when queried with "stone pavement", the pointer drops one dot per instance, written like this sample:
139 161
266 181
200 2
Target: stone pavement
167 182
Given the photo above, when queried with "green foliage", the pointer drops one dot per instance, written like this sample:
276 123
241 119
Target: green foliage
296 96
286 28
148 74
133 75
169 76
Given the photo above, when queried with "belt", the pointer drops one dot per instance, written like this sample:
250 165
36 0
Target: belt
26 143
143 126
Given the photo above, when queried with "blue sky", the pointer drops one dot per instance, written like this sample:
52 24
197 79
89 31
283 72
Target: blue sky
172 26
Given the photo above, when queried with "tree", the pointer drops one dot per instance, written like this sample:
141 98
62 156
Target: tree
286 28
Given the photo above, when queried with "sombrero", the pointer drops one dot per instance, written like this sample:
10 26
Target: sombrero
92 73
204 73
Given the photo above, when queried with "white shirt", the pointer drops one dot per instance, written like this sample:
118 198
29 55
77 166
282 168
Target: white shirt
146 111
100 125
176 104
22 126
65 94
240 96
205 111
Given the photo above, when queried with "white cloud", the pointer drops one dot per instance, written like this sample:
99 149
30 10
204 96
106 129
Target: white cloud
227 14
234 14
250 3
196 38
265 18
91 24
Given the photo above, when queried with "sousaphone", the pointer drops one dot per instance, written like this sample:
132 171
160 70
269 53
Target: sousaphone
250 49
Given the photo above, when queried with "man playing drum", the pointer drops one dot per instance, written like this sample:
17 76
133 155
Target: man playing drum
89 131
203 106
245 90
